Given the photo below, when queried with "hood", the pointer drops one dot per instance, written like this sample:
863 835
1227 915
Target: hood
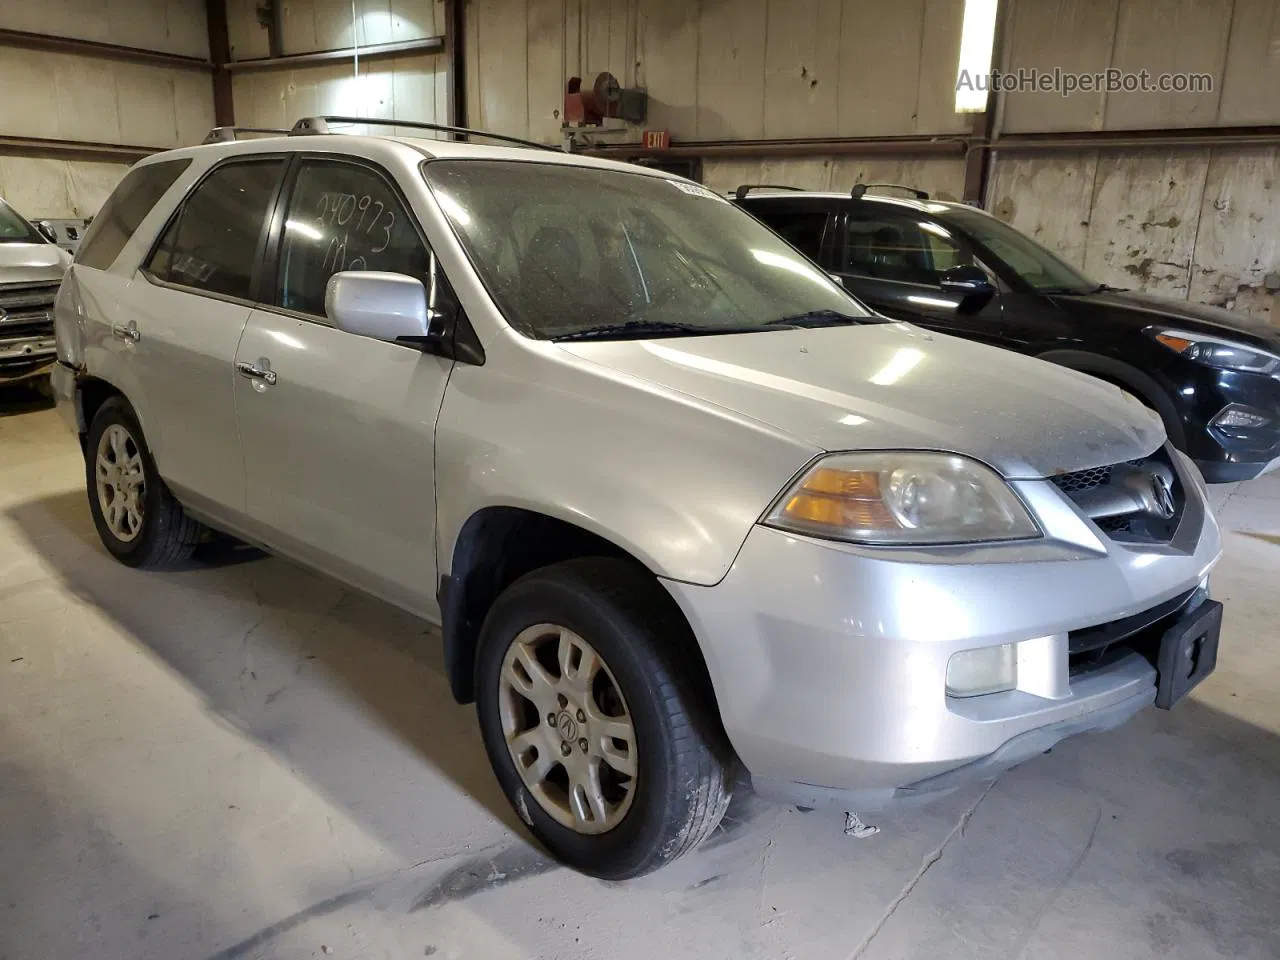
1145 309
32 263
895 386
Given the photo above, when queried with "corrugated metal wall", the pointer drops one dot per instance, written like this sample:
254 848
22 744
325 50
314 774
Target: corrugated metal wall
407 88
70 97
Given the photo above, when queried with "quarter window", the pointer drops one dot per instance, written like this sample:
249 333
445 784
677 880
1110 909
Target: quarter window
343 216
800 228
212 243
124 211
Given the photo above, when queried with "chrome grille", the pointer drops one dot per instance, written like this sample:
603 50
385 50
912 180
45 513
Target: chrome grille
26 322
1119 498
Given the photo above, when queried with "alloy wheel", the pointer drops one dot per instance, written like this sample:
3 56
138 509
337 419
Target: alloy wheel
121 482
568 729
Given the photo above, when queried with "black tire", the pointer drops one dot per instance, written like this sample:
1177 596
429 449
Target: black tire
167 536
683 784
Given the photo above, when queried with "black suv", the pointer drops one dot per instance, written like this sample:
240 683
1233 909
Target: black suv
1213 375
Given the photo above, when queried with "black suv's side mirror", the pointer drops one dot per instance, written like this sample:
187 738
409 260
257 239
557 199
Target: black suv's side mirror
971 283
47 231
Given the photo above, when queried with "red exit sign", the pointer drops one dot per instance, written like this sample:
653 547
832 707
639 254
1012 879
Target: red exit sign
657 139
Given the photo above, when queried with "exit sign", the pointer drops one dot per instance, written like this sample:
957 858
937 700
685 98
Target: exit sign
657 139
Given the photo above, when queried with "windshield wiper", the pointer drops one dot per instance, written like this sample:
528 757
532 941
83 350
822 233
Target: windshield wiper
819 318
641 329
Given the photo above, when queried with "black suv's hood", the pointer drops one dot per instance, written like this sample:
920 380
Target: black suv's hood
1144 310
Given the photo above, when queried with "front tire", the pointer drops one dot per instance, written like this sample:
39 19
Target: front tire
604 743
137 518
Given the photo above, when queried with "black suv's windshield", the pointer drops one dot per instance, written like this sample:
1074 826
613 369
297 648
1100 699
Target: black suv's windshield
1041 270
14 229
579 253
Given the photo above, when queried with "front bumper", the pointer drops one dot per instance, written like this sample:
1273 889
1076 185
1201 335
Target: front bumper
829 660
22 358
1227 453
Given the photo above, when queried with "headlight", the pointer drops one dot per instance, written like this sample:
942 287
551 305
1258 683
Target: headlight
902 498
1216 352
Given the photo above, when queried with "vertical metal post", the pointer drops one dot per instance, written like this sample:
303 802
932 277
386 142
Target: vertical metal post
455 47
224 111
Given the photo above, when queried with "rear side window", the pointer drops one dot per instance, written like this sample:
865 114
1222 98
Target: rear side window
802 229
212 243
343 216
128 205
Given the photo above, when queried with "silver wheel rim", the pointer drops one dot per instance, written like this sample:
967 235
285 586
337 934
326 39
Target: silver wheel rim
121 482
568 729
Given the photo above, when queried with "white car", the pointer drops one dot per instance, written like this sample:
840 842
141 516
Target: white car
682 507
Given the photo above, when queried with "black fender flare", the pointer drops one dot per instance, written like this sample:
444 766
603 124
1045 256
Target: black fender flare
1127 377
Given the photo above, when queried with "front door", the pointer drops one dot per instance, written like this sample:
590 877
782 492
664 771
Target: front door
338 430
893 260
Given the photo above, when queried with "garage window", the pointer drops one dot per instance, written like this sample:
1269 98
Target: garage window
126 208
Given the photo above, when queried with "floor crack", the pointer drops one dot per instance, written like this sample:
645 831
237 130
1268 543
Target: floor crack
925 866
1025 939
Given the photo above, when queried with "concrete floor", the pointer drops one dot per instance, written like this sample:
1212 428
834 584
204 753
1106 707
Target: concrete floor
245 760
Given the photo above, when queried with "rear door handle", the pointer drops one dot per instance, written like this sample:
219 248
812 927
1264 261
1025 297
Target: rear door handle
254 372
129 333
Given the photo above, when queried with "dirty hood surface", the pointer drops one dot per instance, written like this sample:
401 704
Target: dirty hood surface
894 386
31 263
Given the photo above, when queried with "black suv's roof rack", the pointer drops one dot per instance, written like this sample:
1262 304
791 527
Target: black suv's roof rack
746 188
320 125
230 134
862 188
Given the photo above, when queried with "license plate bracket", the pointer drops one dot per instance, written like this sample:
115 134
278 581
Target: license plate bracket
1188 653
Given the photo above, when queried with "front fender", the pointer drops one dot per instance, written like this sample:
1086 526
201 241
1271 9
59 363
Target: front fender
674 482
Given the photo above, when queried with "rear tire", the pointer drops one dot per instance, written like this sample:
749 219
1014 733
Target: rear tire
138 519
679 785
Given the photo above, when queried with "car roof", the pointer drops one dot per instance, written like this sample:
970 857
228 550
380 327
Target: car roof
923 206
431 149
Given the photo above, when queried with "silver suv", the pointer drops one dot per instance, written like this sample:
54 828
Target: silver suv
685 511
30 270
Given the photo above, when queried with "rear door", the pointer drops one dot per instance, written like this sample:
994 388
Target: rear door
893 259
186 309
338 430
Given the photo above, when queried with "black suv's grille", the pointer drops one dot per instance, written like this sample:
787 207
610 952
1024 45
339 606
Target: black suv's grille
1138 501
26 310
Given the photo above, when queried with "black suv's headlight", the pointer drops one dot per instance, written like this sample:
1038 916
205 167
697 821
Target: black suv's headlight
1216 352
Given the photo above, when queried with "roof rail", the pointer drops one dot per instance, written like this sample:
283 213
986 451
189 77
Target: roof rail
231 134
746 188
862 188
320 125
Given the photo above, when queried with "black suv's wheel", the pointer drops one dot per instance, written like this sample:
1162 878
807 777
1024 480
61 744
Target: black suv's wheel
596 731
137 517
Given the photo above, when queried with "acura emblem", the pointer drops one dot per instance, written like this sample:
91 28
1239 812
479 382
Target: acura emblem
1162 496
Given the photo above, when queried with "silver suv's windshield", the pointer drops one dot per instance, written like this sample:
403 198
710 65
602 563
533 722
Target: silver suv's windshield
14 229
1041 270
579 253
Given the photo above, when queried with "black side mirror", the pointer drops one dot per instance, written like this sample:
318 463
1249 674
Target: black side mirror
971 283
47 231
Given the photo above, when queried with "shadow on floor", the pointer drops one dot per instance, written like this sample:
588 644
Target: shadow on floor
17 399
265 642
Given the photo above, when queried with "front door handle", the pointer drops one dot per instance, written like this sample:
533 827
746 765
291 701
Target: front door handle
252 371
129 333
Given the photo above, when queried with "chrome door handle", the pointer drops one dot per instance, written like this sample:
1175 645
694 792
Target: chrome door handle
254 372
130 333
